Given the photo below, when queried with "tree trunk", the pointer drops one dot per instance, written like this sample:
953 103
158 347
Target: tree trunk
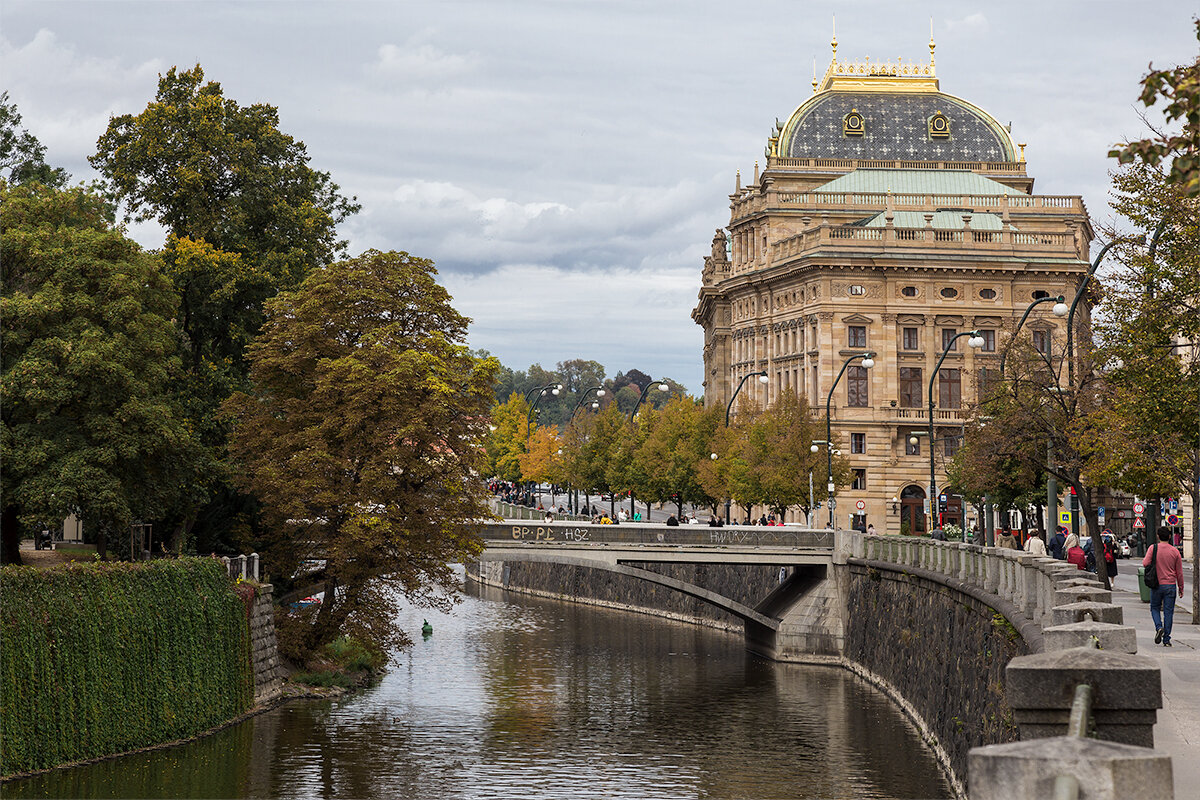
1093 523
10 536
1194 491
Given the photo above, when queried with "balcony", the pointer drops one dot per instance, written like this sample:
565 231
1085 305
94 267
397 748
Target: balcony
913 416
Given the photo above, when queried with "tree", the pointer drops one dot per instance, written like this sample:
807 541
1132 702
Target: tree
509 431
362 437
89 351
22 156
1180 88
543 462
678 442
247 217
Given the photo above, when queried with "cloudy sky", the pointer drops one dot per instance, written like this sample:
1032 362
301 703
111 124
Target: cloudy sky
566 163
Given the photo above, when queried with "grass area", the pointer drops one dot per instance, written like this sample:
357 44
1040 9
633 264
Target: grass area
344 662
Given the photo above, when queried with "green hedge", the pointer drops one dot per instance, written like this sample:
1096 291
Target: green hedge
102 658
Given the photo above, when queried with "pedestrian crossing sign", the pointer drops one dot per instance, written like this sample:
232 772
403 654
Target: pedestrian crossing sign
1064 517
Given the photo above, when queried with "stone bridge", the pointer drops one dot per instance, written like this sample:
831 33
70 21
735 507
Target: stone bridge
782 619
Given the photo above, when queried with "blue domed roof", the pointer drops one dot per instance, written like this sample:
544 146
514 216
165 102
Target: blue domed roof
895 125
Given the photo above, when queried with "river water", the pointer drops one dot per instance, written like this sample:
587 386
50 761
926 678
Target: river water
517 697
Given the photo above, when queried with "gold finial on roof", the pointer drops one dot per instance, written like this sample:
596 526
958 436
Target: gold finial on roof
931 42
814 74
833 41
1022 146
738 183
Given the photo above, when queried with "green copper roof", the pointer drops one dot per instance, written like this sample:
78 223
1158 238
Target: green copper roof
942 220
917 181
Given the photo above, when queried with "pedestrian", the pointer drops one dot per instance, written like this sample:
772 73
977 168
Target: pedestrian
1110 554
1058 542
1075 554
1034 544
1168 566
1006 540
871 529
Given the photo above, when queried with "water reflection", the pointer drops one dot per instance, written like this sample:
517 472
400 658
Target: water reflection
515 697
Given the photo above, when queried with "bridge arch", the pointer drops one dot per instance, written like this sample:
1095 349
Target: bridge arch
746 613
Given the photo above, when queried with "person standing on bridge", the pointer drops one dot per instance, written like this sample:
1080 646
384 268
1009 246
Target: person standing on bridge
1034 544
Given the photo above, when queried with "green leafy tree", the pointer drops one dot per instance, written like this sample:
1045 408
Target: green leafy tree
678 443
89 352
247 217
22 156
361 436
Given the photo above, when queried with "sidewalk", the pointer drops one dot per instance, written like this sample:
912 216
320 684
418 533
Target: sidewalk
1177 731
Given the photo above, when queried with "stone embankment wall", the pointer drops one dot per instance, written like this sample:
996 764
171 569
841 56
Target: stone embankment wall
264 653
939 651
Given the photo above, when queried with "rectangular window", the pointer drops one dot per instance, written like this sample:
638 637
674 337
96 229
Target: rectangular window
910 387
857 336
912 446
1041 342
989 382
989 340
911 339
858 443
860 480
856 387
950 388
948 341
950 445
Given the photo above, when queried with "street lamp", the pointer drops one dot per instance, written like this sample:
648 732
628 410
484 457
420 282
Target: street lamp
975 341
1060 310
599 390
868 361
1079 296
763 378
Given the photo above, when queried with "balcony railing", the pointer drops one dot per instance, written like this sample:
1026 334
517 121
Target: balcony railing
781 162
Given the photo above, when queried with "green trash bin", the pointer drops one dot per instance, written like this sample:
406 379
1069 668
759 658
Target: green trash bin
1143 589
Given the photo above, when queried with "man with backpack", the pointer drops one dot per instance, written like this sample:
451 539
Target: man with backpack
1163 574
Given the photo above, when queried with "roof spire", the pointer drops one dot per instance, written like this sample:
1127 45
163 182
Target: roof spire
814 74
931 43
833 41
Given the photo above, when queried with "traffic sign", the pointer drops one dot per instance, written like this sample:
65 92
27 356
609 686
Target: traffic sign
1064 517
1139 523
832 503
1174 505
1172 520
1100 512
860 505
1139 509
942 498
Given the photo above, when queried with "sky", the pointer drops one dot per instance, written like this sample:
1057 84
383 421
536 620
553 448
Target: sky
565 163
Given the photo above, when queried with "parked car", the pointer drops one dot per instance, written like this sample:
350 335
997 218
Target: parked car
1123 549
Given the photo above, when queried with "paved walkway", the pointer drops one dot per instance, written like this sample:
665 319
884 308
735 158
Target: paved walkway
1178 728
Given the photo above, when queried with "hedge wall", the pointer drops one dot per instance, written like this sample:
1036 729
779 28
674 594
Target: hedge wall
99 658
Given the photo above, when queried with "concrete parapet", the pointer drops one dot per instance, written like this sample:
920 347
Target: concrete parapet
1080 582
1126 693
1078 612
1100 770
1118 638
1081 594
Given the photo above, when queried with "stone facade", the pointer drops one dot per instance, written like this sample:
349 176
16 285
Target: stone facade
840 246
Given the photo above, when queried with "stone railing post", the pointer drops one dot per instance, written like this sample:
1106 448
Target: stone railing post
252 566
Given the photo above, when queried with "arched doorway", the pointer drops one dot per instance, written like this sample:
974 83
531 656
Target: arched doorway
912 511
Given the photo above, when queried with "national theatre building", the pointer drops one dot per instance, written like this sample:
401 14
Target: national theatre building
889 217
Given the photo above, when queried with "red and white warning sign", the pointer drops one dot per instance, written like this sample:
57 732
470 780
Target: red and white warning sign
1139 523
1139 509
860 505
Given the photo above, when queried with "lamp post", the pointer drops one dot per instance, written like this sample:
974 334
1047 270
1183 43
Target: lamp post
763 378
662 387
975 341
573 497
1079 296
552 388
868 359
